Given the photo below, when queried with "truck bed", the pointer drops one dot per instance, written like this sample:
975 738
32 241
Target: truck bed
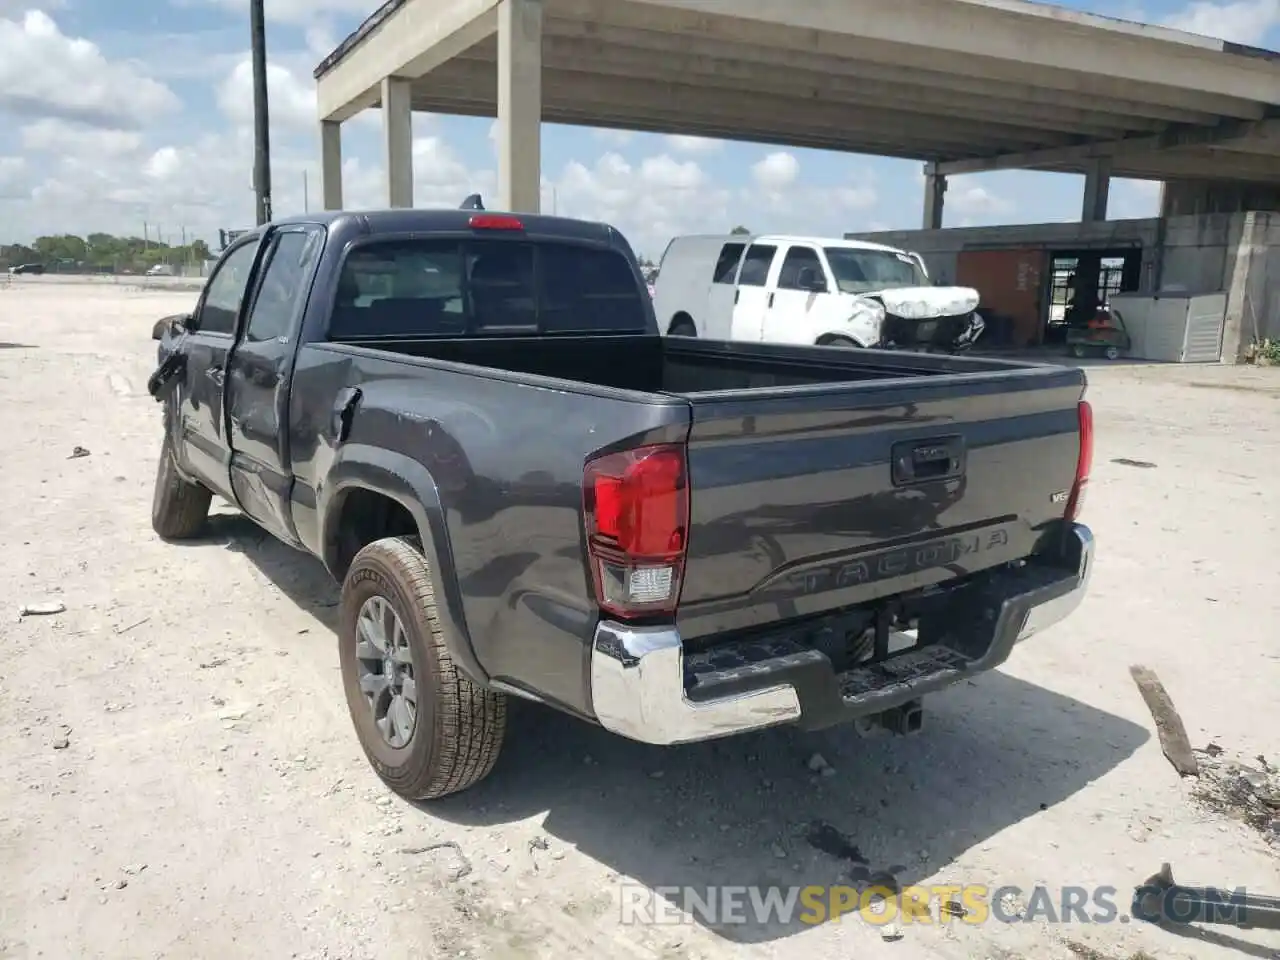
799 507
682 366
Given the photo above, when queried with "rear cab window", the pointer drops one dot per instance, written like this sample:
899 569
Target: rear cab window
463 286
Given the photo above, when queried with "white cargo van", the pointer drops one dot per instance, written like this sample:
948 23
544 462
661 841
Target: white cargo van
809 290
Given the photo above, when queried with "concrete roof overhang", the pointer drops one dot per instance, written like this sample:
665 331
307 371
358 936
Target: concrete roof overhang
968 85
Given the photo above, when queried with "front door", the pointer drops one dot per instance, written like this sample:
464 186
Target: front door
752 300
258 379
199 400
796 298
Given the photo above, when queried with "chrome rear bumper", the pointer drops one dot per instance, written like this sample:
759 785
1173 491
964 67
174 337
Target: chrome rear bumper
638 673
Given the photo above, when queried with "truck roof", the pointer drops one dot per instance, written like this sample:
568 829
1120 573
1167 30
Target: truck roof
446 220
838 242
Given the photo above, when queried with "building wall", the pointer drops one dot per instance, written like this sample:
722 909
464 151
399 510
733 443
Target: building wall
1195 254
1188 198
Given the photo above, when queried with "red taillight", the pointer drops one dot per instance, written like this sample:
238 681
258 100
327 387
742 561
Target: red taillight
1084 462
495 221
636 507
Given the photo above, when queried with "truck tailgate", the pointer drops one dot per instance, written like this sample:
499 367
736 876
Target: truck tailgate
808 499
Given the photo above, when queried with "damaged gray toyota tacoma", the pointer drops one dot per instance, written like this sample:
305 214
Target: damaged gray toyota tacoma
525 491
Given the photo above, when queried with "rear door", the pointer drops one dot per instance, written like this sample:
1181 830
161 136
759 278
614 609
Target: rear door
720 296
751 299
808 499
257 391
199 398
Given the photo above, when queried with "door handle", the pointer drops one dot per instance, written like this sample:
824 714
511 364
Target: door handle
920 461
735 297
771 301
216 375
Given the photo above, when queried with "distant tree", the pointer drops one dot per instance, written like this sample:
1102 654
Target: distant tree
102 251
740 231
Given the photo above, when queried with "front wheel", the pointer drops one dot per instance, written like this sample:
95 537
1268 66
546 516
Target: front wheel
179 508
682 328
844 342
427 730
1113 353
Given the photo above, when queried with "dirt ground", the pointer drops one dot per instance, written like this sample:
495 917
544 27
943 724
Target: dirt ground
181 778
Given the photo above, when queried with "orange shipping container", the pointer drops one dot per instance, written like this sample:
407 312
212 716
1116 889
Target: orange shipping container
1010 283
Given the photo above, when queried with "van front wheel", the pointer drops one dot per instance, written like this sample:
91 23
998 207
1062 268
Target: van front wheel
836 341
682 327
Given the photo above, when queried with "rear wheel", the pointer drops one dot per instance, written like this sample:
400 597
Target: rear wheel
1078 350
1113 353
427 730
179 508
682 327
837 342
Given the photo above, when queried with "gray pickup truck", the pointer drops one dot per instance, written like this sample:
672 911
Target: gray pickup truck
524 490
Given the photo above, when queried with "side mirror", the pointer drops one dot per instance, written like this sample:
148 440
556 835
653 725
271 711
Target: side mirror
174 324
920 263
809 279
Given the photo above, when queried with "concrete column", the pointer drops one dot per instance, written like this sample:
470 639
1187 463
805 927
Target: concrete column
520 105
397 135
1097 191
1244 271
935 191
331 164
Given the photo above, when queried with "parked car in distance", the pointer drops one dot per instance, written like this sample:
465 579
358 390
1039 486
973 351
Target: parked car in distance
160 270
526 491
34 269
809 290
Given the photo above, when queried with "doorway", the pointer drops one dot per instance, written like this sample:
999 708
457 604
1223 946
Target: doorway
1081 282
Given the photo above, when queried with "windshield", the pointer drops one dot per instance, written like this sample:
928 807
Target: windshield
862 271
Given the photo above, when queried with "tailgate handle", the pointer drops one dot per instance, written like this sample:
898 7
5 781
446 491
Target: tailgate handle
920 461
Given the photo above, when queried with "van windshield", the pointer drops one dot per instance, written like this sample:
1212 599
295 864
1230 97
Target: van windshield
864 271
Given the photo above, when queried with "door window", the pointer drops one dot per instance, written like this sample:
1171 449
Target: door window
727 264
797 260
226 291
755 268
281 290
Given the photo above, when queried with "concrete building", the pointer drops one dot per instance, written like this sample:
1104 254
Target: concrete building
962 85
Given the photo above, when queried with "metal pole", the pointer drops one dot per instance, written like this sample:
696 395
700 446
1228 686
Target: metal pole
306 200
261 122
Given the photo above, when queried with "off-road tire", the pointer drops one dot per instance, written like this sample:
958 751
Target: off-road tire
682 327
460 725
179 508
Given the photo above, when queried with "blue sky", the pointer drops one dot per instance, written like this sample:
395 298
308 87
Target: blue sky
116 114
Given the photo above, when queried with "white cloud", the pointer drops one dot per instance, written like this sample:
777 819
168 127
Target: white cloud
976 201
295 11
649 203
686 144
1240 21
777 171
45 73
52 135
291 100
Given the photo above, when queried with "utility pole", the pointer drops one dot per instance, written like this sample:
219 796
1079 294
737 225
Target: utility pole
261 122
306 200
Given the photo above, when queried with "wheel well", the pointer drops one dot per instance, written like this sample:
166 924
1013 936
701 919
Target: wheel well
679 318
366 516
828 339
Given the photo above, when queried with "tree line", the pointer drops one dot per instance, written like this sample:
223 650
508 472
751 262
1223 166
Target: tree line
102 252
